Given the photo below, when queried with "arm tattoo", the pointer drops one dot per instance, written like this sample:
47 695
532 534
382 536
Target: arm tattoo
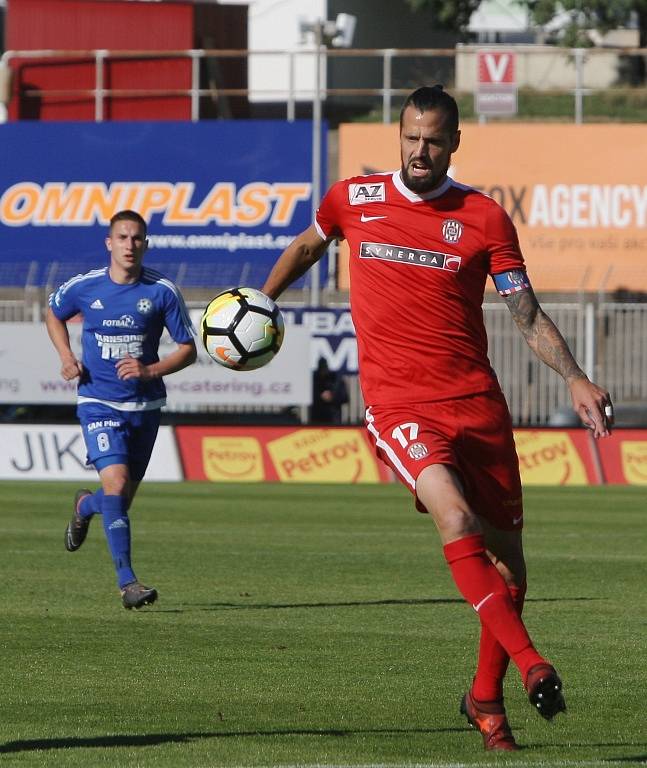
542 334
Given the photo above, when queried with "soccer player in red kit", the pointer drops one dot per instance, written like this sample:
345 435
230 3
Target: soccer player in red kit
421 249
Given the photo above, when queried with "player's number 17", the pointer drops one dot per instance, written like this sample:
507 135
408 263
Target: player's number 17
399 433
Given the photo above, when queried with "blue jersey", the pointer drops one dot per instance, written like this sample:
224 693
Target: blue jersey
122 321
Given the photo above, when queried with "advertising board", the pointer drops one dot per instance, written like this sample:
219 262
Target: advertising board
57 452
582 223
230 194
283 454
31 372
302 454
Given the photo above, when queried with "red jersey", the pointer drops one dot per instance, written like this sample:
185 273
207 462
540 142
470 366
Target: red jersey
418 266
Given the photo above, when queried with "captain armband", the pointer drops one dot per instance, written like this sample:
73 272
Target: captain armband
511 282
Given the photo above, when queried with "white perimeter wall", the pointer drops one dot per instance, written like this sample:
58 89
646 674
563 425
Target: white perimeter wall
274 25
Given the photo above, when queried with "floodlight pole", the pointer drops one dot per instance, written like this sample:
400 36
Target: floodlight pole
315 270
339 32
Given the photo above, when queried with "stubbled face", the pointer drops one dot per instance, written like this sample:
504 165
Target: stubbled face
127 245
426 147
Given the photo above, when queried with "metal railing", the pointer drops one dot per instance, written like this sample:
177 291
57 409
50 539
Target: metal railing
609 340
101 56
386 91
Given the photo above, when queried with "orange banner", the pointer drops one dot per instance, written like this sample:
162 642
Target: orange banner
576 193
624 457
285 454
345 455
552 457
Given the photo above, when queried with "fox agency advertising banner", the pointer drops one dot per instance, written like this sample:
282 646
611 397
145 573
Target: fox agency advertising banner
581 211
225 193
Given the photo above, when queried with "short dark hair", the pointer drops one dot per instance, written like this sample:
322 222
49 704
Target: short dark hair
128 215
433 97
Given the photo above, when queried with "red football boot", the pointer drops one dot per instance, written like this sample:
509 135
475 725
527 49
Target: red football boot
493 726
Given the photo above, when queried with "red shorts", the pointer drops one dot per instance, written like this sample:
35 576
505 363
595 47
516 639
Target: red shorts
472 434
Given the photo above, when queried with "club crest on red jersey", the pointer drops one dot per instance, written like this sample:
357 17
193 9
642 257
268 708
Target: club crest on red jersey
358 194
452 230
417 451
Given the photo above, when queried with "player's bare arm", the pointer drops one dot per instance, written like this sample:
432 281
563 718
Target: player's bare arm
71 368
591 402
132 368
304 251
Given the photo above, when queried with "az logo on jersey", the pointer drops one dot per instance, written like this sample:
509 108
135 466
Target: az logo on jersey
358 194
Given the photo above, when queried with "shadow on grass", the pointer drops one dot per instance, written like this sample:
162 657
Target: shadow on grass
603 760
154 739
336 604
348 604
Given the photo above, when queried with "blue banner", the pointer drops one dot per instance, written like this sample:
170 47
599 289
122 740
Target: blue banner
332 335
222 198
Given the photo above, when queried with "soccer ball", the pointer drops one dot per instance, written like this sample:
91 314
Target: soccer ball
242 329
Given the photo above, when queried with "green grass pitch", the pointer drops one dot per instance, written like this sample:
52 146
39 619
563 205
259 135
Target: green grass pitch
308 625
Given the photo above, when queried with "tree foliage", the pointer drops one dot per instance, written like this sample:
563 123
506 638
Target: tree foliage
451 15
583 15
602 15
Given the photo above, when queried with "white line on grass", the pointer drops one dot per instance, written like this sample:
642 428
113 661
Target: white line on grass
552 763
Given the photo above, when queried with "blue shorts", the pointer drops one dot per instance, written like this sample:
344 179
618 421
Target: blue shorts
118 437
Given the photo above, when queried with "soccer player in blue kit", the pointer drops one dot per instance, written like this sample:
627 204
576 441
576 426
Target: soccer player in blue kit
125 308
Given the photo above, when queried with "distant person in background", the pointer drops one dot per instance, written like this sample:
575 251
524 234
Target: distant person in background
421 249
125 308
329 393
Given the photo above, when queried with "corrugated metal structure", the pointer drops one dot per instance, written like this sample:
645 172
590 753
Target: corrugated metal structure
121 25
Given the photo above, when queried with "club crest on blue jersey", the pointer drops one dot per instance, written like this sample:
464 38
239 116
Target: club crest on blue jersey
145 306
452 230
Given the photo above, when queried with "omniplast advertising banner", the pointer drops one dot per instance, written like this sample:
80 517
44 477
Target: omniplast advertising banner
576 193
226 192
31 372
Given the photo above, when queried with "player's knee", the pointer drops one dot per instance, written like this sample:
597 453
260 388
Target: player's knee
115 480
117 489
512 571
455 521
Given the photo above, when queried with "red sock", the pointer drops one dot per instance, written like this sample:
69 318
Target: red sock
483 586
493 660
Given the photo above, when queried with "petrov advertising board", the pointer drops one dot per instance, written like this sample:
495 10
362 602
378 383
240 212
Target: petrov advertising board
214 191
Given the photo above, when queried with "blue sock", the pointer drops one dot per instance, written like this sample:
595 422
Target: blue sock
91 505
117 528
